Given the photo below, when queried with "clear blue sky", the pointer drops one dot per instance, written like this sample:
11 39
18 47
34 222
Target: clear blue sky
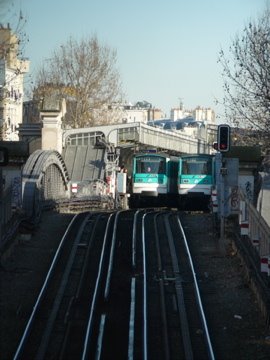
166 49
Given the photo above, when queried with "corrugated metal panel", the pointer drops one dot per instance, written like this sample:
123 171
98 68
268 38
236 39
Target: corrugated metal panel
79 162
84 162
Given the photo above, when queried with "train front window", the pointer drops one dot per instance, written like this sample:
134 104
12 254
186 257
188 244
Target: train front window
195 167
150 166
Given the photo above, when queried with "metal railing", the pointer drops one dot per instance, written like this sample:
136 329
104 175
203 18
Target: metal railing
92 188
253 225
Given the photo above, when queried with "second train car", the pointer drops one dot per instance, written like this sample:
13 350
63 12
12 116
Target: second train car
154 179
196 179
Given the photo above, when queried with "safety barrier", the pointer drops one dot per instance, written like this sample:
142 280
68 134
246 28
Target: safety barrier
89 188
214 200
254 227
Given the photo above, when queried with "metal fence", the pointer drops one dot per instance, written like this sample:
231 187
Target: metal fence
254 227
90 188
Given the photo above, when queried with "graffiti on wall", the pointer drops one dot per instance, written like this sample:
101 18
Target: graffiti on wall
246 182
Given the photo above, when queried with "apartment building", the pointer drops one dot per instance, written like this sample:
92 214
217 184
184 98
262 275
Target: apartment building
12 71
198 114
204 114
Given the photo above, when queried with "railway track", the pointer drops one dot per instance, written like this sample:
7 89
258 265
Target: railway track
121 285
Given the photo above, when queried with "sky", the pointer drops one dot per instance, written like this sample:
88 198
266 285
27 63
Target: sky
167 50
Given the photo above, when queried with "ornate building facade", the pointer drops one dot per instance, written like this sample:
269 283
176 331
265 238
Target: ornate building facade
12 71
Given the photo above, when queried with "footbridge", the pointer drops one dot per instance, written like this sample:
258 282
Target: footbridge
140 135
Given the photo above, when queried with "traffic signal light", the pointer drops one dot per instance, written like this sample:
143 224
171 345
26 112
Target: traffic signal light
224 138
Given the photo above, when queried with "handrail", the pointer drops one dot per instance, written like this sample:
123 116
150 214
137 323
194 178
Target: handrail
258 229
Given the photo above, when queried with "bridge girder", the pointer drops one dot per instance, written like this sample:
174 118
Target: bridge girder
44 179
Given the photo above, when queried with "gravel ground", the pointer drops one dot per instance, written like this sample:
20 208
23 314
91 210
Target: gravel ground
237 329
22 275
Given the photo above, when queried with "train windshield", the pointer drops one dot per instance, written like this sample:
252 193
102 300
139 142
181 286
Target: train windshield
196 167
148 165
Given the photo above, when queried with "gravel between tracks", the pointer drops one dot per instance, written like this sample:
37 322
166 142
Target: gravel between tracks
238 330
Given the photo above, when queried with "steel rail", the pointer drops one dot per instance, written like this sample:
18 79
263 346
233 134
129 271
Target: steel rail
109 274
84 269
79 289
132 319
43 290
205 327
133 290
145 334
100 336
95 295
134 235
162 294
179 294
60 293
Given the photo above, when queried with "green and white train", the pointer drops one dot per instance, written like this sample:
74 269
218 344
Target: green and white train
163 180
196 178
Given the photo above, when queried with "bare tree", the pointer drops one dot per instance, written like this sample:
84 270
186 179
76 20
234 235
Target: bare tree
246 74
11 17
85 74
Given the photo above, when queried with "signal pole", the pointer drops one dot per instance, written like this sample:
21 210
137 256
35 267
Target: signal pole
223 145
223 173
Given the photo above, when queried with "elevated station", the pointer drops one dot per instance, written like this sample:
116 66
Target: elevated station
90 157
51 165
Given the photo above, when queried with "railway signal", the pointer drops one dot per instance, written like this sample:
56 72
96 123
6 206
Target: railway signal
223 143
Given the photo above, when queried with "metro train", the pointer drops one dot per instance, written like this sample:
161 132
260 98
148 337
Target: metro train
163 180
196 178
154 179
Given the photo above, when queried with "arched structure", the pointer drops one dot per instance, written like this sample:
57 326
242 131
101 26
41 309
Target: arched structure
44 179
